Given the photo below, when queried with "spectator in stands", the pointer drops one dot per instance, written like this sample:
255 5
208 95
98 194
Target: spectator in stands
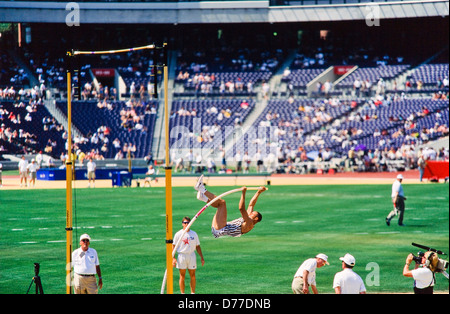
244 104
132 90
180 76
265 89
119 155
381 86
142 92
250 87
327 87
357 86
81 156
367 87
445 83
150 176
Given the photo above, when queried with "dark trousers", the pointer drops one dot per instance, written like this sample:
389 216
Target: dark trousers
399 209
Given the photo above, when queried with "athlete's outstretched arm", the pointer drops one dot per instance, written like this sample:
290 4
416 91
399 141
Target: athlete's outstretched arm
252 204
242 201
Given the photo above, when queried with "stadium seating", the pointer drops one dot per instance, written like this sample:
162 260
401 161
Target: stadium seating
88 118
299 78
431 74
314 124
373 74
392 118
32 129
214 116
11 75
294 123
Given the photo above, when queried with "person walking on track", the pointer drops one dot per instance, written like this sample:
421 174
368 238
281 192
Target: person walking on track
398 199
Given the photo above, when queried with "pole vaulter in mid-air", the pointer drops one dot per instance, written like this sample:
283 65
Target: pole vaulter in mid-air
220 227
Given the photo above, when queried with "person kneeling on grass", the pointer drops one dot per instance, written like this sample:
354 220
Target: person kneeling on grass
220 227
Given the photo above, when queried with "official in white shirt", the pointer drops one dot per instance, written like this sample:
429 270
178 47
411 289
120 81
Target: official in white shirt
306 274
189 244
91 167
85 266
347 281
32 169
23 170
398 200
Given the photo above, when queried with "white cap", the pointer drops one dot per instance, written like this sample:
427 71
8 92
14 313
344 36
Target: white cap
400 176
324 257
85 236
348 259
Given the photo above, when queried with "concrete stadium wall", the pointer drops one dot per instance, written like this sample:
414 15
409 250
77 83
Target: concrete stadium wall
219 12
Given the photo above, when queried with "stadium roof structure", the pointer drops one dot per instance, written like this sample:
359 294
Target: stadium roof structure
217 12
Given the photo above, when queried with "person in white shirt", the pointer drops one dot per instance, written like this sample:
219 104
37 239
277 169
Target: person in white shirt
347 281
424 278
398 199
1 181
91 167
32 170
23 170
39 159
151 176
306 275
189 244
85 266
238 158
246 160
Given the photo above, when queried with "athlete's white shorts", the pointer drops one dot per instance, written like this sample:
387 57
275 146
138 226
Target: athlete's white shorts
187 261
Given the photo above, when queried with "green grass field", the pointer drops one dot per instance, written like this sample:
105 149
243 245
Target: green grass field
127 226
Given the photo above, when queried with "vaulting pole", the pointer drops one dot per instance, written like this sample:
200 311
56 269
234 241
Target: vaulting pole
69 166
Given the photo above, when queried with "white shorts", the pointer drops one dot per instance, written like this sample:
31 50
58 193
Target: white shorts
187 261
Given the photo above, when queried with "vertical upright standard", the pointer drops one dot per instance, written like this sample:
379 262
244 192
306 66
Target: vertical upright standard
168 174
168 167
69 165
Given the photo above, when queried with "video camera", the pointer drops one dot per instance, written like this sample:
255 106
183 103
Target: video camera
441 266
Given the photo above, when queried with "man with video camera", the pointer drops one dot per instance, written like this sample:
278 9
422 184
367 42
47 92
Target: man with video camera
424 278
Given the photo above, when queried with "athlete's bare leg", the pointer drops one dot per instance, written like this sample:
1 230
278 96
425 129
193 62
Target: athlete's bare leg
220 218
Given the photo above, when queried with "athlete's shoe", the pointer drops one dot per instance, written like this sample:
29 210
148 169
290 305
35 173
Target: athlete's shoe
202 197
199 186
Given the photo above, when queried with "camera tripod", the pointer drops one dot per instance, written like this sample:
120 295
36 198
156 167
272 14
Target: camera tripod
36 280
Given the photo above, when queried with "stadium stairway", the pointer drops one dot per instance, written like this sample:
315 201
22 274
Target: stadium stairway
277 86
50 104
30 74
